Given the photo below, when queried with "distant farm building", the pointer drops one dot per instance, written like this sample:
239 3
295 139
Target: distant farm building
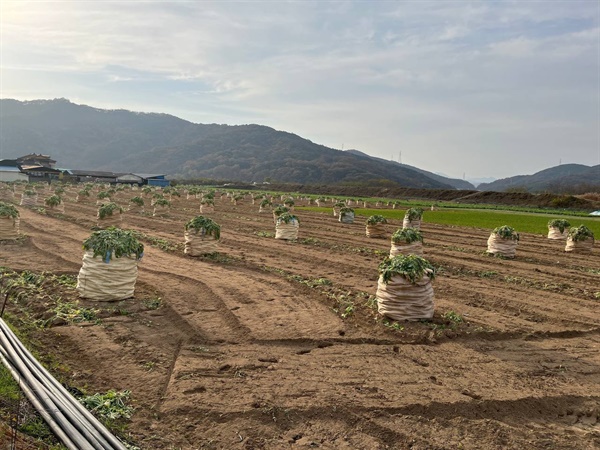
33 159
34 167
10 171
41 173
94 176
151 179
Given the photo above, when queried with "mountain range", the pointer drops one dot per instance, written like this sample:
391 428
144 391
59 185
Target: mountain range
565 178
83 137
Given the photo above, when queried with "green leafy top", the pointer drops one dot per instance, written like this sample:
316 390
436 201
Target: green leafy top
410 267
59 190
265 202
162 202
147 190
506 232
287 218
288 201
339 205
102 194
8 210
345 210
84 192
114 242
107 209
413 214
29 192
258 196
207 201
238 197
53 200
407 235
137 200
561 224
376 219
209 226
580 233
280 210
209 194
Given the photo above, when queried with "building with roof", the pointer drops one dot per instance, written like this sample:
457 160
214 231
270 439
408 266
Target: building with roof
150 179
33 159
11 171
90 176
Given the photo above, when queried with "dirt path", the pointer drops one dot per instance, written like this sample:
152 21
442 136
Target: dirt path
243 355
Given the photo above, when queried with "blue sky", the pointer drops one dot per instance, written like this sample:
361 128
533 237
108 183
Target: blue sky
476 87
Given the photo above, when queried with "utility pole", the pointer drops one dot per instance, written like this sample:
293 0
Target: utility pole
400 157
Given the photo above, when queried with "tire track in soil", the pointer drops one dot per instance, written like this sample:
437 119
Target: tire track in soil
165 266
516 309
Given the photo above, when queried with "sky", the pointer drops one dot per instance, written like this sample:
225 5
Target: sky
464 88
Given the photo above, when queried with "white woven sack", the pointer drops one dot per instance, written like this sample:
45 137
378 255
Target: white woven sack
198 243
207 209
411 223
499 246
399 299
106 282
347 217
9 228
375 231
554 233
29 200
110 221
579 246
288 231
414 248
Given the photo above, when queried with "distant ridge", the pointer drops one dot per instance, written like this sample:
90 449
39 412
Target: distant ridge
83 137
454 182
566 178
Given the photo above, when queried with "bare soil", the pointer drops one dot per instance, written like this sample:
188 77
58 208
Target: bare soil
250 349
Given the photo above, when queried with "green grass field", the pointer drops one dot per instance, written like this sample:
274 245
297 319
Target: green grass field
522 222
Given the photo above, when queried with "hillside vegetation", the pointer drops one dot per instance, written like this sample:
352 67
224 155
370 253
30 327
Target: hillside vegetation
82 137
571 178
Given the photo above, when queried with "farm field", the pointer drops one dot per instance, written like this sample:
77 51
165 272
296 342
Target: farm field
277 345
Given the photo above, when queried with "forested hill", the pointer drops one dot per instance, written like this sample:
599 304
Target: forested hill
571 178
83 137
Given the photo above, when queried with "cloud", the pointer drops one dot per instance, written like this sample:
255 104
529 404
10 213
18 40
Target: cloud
375 75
